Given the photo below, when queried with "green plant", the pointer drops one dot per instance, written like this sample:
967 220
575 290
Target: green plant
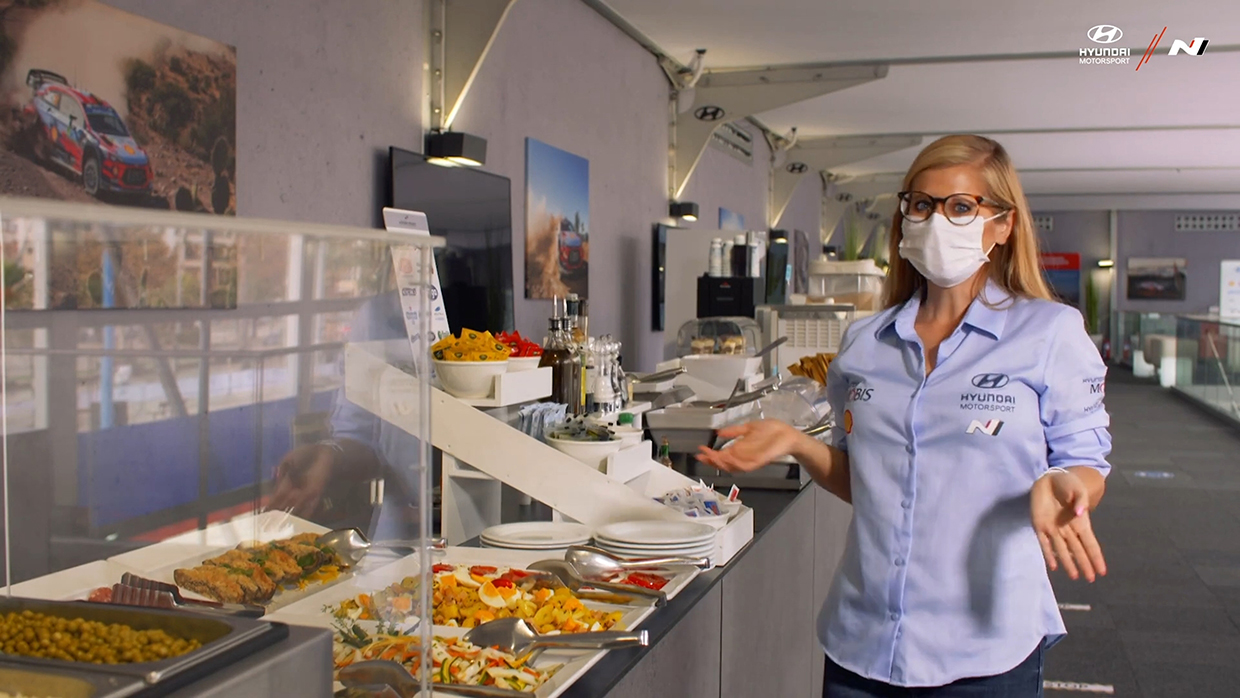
1091 306
855 236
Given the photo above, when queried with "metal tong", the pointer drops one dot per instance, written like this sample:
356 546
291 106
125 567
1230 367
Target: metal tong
139 591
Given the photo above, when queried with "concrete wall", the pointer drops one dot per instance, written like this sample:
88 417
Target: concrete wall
326 86
607 104
721 180
804 210
1153 234
1087 233
323 88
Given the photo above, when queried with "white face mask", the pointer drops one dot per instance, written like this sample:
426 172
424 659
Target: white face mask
945 253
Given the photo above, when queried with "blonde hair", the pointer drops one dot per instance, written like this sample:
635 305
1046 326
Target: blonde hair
1016 265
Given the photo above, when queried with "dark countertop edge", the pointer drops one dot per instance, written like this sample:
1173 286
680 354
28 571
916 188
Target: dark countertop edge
768 506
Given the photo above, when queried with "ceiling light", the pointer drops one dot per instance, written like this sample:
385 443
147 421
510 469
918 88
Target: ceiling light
1106 263
684 210
456 149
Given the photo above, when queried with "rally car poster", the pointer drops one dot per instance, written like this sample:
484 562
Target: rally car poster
100 105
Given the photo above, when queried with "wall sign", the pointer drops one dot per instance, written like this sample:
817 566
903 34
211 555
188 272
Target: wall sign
103 105
1229 288
1157 278
406 262
1063 273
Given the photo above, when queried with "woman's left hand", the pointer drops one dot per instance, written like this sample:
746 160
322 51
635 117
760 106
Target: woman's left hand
1059 505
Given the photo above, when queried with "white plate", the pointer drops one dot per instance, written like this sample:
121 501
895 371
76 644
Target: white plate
543 534
670 546
656 533
660 550
500 544
640 553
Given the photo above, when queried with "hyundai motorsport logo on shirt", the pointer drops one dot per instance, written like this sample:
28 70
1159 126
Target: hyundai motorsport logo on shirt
985 396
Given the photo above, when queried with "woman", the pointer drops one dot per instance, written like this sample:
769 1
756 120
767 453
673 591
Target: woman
970 432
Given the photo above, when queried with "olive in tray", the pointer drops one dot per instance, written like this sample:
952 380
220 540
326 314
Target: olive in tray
254 574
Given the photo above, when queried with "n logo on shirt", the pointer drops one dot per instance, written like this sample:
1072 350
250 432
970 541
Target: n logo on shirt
990 427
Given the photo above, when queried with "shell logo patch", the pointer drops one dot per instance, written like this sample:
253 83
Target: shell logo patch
848 421
129 149
55 133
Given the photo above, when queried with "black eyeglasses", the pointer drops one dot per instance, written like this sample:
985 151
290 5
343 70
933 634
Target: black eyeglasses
961 209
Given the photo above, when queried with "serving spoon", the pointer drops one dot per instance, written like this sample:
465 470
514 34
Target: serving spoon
351 545
571 578
518 637
593 562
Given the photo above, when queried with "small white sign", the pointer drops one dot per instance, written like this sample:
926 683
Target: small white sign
407 263
1229 288
1076 687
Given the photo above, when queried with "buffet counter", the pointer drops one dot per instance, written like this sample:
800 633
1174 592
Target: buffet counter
745 629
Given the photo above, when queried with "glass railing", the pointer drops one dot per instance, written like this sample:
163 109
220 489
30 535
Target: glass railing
1207 361
1132 329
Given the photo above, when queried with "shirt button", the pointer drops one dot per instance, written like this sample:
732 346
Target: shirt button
909 448
907 504
895 616
899 562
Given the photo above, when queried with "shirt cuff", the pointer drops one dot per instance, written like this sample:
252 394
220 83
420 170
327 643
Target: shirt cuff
1081 449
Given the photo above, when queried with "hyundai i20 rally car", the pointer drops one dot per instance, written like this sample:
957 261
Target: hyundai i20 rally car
84 134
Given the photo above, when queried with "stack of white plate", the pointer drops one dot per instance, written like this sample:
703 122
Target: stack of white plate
535 535
657 539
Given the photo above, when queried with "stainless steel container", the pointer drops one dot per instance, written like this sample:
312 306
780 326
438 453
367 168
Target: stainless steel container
224 639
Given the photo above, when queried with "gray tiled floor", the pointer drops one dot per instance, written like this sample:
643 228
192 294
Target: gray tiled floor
1165 621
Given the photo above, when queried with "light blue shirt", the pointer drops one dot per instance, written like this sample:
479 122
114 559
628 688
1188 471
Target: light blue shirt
942 577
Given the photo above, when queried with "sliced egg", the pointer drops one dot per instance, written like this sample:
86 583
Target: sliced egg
465 578
490 596
499 597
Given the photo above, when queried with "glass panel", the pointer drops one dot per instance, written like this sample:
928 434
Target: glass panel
177 384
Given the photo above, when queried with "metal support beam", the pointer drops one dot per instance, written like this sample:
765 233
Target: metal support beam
727 95
814 155
461 34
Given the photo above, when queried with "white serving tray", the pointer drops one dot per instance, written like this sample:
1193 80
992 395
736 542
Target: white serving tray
311 612
73 584
515 388
160 560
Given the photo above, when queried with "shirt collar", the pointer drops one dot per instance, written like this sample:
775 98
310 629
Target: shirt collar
987 313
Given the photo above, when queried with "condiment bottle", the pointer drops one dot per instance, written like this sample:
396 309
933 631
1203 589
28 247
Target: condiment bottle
665 453
564 362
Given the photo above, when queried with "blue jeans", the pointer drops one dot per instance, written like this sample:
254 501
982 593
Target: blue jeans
1024 681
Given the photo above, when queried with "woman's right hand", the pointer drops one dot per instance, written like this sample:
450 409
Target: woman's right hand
756 445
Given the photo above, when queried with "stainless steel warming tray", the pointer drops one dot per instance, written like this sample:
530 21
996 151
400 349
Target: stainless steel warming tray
225 639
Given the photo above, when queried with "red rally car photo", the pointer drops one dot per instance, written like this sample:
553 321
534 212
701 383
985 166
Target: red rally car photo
85 135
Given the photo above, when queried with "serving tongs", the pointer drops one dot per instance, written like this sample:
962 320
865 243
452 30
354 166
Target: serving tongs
658 377
573 579
376 675
139 591
351 545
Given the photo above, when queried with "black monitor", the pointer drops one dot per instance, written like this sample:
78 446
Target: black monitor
472 210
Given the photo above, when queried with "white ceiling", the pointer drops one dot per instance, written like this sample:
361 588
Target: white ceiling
963 66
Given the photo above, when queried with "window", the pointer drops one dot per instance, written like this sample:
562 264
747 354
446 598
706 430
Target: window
73 111
107 123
